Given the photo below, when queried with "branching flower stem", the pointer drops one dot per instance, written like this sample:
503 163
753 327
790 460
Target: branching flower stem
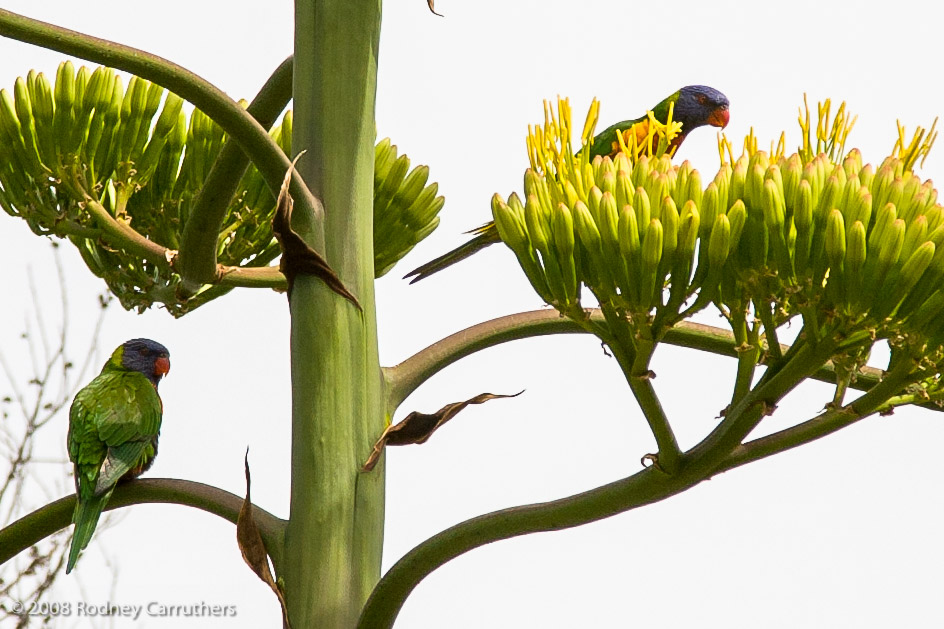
407 376
645 487
721 450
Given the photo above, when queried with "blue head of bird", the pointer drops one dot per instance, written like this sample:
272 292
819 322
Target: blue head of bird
145 356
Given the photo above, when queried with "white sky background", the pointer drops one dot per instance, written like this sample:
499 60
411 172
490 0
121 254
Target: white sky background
844 532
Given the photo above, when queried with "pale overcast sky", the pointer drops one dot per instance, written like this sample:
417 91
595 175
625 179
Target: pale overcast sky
841 533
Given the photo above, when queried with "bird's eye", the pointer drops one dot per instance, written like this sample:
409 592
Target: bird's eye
702 99
143 351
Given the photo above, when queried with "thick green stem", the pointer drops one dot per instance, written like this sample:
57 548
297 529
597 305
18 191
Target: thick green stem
333 541
57 515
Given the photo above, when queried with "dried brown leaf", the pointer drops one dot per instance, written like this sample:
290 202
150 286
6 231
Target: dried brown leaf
253 548
418 427
297 257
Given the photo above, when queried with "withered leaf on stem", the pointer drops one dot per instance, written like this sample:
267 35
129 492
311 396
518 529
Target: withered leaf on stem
253 548
297 256
418 427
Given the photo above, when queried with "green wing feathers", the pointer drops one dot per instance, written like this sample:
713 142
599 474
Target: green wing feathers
113 427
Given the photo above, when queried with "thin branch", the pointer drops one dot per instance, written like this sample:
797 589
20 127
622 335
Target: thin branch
196 260
121 234
633 352
406 377
57 515
741 418
252 276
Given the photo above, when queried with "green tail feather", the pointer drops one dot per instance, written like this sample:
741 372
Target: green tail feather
485 236
85 517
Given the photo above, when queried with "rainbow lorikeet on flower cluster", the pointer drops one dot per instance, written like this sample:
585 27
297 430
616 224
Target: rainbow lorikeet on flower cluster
114 423
695 106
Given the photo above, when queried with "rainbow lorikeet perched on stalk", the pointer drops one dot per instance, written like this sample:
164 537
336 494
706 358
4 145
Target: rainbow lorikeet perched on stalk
695 106
113 427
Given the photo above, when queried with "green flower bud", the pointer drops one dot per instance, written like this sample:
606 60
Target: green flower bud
532 183
678 192
898 284
889 250
625 190
880 184
64 95
840 174
536 223
738 217
758 160
803 216
593 202
630 252
754 192
719 245
927 286
855 249
607 221
710 209
562 226
830 198
694 193
916 233
886 217
642 206
738 181
774 219
722 181
866 175
608 183
684 257
791 172
640 172
649 283
657 188
511 228
669 217
24 113
835 240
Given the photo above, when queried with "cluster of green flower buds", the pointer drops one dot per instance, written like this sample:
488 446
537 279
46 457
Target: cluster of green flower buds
135 151
845 245
406 209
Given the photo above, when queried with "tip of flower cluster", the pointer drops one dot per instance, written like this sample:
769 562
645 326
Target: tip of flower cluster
551 149
828 138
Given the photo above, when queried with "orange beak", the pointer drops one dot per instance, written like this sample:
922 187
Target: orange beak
719 117
161 366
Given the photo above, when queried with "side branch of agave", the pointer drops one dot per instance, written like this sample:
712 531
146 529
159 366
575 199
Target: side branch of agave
111 166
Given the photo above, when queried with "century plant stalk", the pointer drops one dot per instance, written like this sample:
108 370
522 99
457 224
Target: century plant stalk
333 541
